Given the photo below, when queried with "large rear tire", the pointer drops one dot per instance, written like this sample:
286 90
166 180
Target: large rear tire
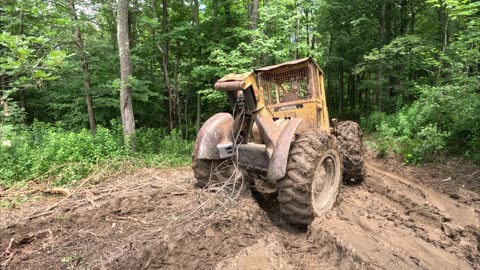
313 178
349 136
208 172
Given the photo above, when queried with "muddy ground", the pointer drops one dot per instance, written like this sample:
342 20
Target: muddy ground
399 218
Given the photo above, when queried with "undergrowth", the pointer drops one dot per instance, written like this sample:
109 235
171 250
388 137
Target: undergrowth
46 152
442 120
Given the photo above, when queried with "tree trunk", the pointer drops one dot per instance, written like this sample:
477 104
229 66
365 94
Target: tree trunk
187 98
412 17
126 107
215 18
198 114
388 18
329 77
367 98
443 20
164 52
3 103
196 16
175 90
131 30
113 24
3 83
340 89
228 13
379 95
86 73
20 21
163 49
313 30
185 135
360 103
307 26
254 14
312 47
297 32
403 17
351 87
21 91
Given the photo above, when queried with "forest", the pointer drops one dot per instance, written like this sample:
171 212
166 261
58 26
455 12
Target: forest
105 84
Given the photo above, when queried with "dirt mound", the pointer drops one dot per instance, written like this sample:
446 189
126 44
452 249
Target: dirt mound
157 219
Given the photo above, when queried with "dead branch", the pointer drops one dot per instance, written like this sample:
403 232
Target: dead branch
7 250
32 236
92 202
55 191
65 198
178 193
20 192
89 232
228 187
9 258
133 219
471 175
40 215
458 162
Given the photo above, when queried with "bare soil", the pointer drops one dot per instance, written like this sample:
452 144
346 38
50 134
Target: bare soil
398 218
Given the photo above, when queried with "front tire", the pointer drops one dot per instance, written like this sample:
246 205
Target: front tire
314 173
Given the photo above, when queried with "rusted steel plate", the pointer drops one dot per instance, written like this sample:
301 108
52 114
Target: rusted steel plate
278 162
253 157
217 130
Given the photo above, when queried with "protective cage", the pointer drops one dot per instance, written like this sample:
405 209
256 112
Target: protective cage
295 90
289 83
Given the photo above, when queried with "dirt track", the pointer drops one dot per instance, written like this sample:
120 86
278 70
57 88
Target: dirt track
151 219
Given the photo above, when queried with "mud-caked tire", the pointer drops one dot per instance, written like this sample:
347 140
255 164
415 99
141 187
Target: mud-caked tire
208 172
313 177
349 136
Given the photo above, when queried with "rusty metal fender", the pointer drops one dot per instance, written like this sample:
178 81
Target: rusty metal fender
217 130
278 162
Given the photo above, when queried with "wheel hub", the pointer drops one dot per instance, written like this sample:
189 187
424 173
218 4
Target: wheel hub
325 183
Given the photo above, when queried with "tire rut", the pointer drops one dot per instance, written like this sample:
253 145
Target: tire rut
388 222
